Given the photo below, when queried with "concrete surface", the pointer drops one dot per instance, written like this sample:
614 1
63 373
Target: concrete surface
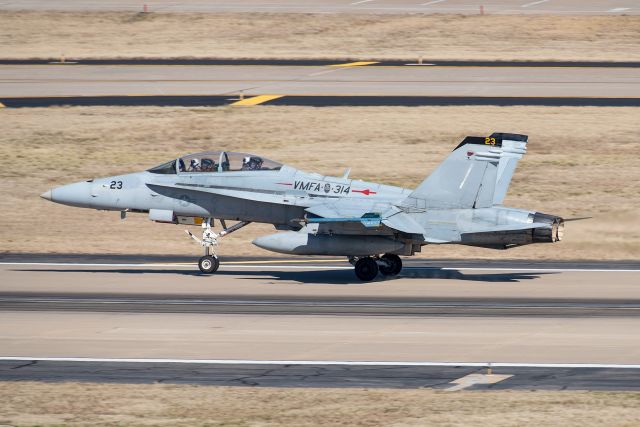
557 315
327 338
564 7
88 80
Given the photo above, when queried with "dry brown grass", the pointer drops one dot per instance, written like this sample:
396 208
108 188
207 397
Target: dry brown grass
581 162
74 404
264 35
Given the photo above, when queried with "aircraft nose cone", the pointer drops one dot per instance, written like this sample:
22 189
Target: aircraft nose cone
76 194
46 195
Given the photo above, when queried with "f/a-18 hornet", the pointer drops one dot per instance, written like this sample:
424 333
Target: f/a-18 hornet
371 224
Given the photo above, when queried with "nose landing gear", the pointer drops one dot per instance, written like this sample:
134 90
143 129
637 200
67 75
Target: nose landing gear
367 268
209 263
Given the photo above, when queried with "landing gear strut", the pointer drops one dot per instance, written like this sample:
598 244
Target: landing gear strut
367 268
209 263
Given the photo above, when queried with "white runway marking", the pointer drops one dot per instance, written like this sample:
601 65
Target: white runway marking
533 3
533 270
432 2
618 9
322 267
473 379
321 362
78 264
360 2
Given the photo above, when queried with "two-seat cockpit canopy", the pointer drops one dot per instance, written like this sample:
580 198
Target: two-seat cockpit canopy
216 161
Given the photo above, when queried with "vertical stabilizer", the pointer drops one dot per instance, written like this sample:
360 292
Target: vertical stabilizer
475 175
514 146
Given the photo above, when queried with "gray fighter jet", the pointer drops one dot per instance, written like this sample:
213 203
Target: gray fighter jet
371 224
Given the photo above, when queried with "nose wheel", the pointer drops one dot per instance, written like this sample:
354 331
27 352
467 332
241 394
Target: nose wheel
209 263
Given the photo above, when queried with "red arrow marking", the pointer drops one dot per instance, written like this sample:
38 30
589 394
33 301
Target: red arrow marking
366 192
284 183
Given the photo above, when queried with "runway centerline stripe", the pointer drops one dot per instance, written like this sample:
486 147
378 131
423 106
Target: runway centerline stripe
255 100
321 362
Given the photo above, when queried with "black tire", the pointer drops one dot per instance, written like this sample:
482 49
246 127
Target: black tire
394 267
208 264
366 269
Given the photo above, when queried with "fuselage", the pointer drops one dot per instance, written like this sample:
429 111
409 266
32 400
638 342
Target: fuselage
276 196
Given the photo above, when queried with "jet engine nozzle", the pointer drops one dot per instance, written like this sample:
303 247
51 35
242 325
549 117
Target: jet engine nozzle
554 233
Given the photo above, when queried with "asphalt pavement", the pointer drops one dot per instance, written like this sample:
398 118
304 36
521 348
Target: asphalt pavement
320 375
121 318
40 85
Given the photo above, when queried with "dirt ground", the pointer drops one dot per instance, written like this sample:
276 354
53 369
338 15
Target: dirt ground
581 162
264 35
75 404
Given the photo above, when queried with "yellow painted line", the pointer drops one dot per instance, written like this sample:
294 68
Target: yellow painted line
354 64
255 100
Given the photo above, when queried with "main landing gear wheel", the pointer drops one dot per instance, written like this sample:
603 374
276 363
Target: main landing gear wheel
391 265
208 264
366 269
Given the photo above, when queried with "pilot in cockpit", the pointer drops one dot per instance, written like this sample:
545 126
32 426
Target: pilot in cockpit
251 163
194 166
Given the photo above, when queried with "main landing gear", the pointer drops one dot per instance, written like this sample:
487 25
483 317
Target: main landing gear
367 268
209 263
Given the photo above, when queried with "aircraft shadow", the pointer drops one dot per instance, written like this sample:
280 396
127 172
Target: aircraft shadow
328 276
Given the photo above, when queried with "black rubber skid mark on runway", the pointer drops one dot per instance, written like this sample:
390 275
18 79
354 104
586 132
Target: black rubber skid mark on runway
314 101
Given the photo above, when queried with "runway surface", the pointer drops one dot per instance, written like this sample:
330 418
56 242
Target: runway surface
298 309
314 101
322 62
336 306
507 7
441 377
101 80
338 84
